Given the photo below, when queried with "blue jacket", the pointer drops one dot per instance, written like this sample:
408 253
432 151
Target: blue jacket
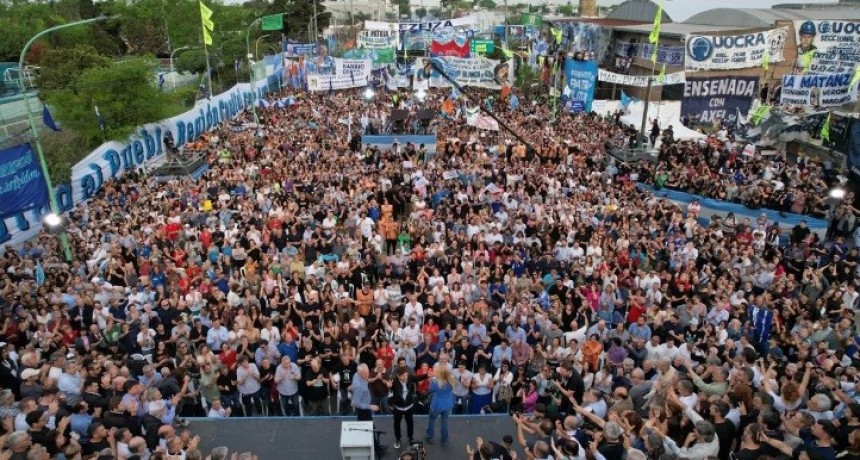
443 397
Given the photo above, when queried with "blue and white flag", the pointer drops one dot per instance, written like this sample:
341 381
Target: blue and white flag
514 102
48 120
100 119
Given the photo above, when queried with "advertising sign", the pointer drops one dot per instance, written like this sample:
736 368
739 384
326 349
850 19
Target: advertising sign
580 82
708 98
709 52
817 90
640 80
835 45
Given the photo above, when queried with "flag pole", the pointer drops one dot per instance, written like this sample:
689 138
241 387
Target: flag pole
208 70
654 39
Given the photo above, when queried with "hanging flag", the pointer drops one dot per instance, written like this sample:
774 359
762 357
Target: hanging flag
625 99
514 102
765 59
206 21
825 129
661 77
273 22
508 53
48 120
100 119
654 38
759 114
806 60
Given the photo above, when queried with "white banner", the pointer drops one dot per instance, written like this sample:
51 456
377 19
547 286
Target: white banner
641 80
358 67
333 82
835 45
427 26
818 90
477 72
708 52
373 39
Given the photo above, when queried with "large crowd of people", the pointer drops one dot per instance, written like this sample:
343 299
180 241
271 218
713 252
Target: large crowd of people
305 274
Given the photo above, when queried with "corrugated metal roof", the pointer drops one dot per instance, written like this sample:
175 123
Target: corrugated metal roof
675 29
762 17
637 10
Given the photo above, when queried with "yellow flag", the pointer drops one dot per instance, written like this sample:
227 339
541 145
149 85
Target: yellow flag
856 77
205 12
508 53
207 38
654 54
825 129
206 21
765 60
557 33
655 29
662 76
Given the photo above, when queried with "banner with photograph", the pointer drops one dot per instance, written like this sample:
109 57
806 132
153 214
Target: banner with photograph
378 56
640 80
707 99
580 82
449 49
478 72
835 45
818 90
714 52
672 56
592 39
361 67
300 49
334 82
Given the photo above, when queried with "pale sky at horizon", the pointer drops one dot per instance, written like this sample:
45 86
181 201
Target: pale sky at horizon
681 10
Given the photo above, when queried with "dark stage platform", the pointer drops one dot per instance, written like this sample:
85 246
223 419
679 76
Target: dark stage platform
318 438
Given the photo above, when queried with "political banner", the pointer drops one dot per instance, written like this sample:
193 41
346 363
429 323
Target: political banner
840 133
640 80
22 185
334 82
672 56
373 39
835 45
478 72
449 49
592 39
433 25
300 49
580 82
356 67
378 56
478 46
714 52
818 90
707 99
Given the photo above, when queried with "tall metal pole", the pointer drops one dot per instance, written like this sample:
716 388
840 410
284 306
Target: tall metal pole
257 45
55 207
250 69
172 67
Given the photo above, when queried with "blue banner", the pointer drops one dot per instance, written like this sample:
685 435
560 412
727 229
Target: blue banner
300 49
580 82
22 185
709 98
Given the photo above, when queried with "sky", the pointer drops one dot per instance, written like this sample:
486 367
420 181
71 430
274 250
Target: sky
681 10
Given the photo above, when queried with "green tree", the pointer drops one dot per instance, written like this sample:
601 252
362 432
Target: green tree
420 12
565 10
125 93
61 68
403 8
190 61
487 4
299 14
435 12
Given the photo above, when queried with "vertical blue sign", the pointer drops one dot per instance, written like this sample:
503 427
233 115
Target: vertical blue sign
580 83
22 185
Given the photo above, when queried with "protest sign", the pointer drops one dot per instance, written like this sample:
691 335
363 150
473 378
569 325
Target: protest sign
817 90
707 99
581 80
373 39
714 52
300 49
22 185
449 49
478 72
357 67
672 56
640 80
835 45
333 82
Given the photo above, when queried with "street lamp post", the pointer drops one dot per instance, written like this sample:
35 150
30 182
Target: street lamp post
257 45
55 208
172 67
250 69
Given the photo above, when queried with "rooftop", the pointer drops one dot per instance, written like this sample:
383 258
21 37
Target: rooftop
675 29
764 17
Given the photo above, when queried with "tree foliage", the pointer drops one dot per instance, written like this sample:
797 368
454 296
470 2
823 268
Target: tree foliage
298 14
125 93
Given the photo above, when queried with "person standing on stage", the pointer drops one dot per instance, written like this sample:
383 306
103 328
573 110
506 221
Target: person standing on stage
361 401
442 389
403 401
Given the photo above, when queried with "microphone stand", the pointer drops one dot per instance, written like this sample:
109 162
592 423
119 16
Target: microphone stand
529 147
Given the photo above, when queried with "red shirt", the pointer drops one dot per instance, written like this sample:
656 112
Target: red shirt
228 358
385 353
